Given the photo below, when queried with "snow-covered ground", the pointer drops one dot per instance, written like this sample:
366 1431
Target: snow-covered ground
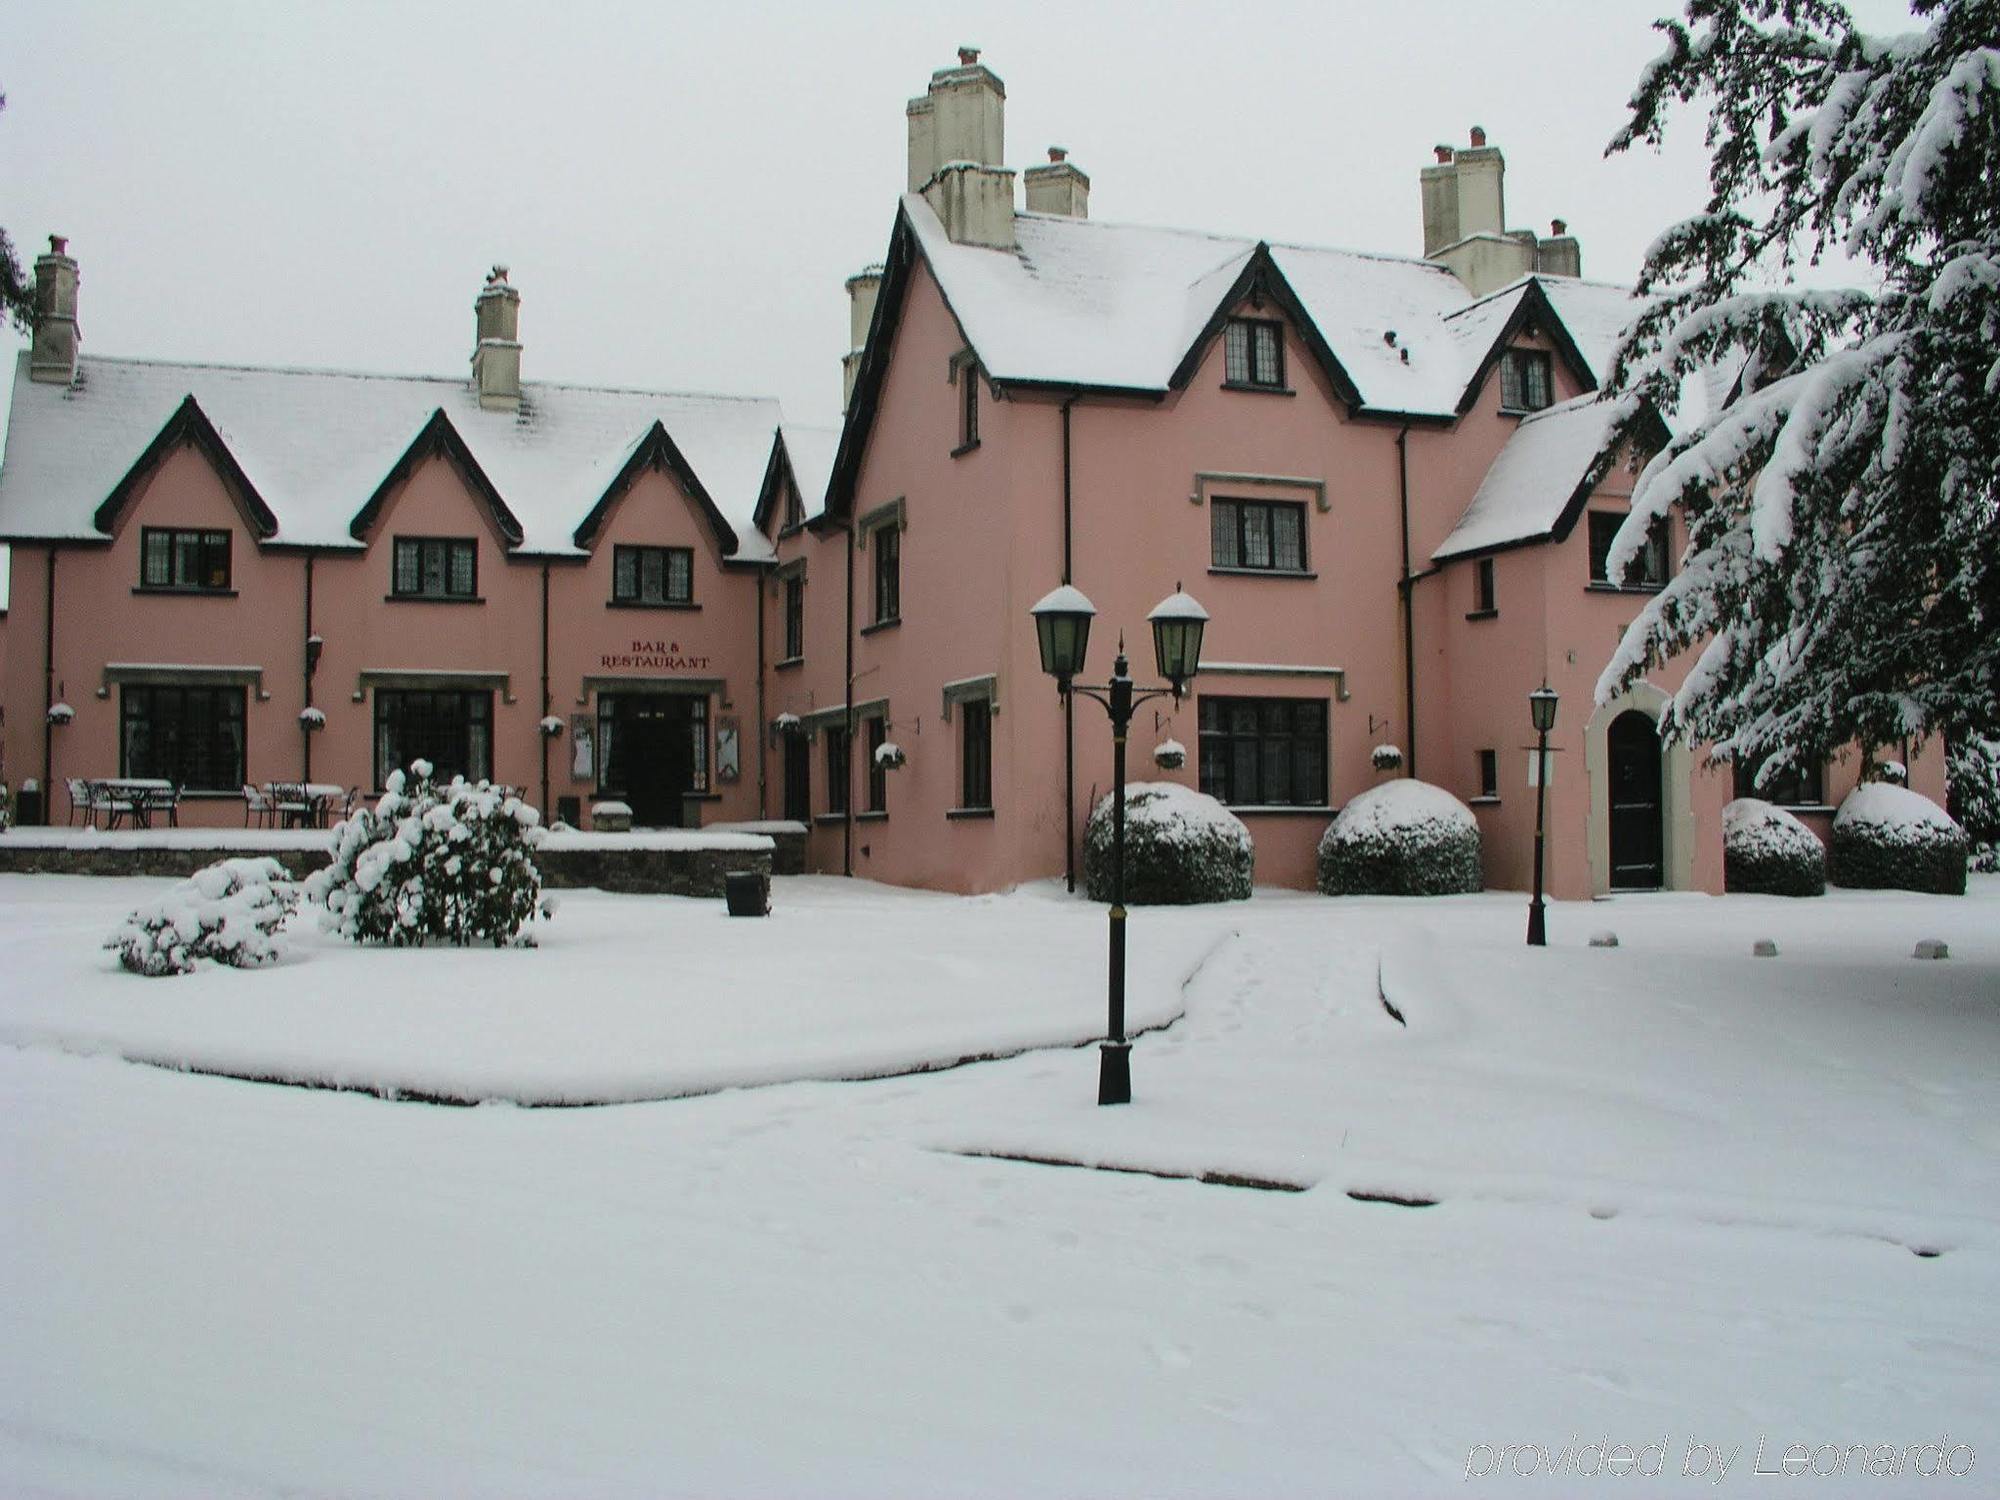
1678 1190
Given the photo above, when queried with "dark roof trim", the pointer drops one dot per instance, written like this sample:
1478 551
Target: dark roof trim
1534 307
189 424
1153 394
1259 279
778 474
439 439
1645 428
867 397
656 450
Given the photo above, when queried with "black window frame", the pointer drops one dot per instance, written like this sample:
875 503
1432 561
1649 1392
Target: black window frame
878 774
975 759
1245 344
1489 775
628 576
1287 731
1485 593
477 706
839 768
205 543
968 408
888 544
1603 527
1230 520
796 773
794 616
180 762
1517 392
449 550
1798 785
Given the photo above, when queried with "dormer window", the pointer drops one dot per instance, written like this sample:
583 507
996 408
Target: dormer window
1253 354
1525 380
189 562
435 567
652 575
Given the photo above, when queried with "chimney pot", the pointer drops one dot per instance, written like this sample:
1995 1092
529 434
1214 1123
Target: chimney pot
1058 153
58 244
1558 227
1479 135
1443 153
967 56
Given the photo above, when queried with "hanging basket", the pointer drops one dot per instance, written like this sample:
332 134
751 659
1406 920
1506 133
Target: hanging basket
1170 755
551 727
890 757
311 719
61 713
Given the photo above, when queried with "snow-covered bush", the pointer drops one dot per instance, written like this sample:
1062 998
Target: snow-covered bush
1403 838
1892 771
1181 847
450 864
1768 852
1972 776
229 912
1891 838
1386 758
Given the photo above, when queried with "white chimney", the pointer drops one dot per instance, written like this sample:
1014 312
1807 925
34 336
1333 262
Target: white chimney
496 361
1465 216
1058 188
52 353
862 290
957 145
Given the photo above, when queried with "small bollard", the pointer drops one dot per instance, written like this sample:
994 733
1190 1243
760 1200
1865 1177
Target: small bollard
1764 948
748 893
1605 939
1932 948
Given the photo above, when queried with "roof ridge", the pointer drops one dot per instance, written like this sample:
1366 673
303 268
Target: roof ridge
323 372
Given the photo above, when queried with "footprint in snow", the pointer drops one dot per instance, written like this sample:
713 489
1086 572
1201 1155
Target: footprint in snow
1173 1356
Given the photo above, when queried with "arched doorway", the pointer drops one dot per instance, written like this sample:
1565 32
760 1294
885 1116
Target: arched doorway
1638 827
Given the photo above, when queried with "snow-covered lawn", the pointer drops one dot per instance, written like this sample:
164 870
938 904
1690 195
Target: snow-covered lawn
1677 1193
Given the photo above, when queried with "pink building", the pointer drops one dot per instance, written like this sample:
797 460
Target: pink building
1383 475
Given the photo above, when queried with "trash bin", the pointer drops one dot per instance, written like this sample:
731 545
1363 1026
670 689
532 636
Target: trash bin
570 810
748 893
28 809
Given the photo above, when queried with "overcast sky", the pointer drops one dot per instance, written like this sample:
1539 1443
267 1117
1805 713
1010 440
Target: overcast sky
681 190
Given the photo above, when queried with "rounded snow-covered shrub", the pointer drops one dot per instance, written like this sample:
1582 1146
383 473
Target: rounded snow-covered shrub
228 912
1768 852
429 863
1890 838
1403 838
1181 847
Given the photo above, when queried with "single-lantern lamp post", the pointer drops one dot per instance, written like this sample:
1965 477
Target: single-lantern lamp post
1062 627
1542 709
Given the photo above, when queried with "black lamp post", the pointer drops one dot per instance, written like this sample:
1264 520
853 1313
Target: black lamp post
1062 626
1542 709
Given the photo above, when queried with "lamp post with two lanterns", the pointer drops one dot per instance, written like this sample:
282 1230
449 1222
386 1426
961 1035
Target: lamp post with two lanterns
1062 628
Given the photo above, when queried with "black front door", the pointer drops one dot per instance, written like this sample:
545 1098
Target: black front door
1638 834
648 755
798 778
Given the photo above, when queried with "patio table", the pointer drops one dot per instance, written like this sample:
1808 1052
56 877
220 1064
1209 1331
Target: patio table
131 796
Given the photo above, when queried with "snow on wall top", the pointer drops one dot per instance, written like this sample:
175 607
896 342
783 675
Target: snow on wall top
1085 302
1523 494
811 450
316 444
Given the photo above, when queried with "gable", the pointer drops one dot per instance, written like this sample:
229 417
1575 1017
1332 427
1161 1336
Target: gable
189 426
1532 313
439 440
655 453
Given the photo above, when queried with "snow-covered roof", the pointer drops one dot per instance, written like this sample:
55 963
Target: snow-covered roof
1084 302
1535 476
316 445
811 451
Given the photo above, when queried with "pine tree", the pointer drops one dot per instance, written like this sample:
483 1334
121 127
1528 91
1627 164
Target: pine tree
17 298
1842 578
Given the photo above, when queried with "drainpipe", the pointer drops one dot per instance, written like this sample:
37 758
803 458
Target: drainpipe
847 801
49 686
306 659
763 804
1069 702
1405 588
547 703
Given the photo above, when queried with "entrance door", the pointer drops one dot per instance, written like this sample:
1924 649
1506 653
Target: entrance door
648 754
1638 830
798 778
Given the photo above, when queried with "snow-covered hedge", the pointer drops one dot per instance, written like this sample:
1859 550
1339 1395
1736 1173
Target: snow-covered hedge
1403 838
229 912
450 864
1891 838
1768 852
1181 847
